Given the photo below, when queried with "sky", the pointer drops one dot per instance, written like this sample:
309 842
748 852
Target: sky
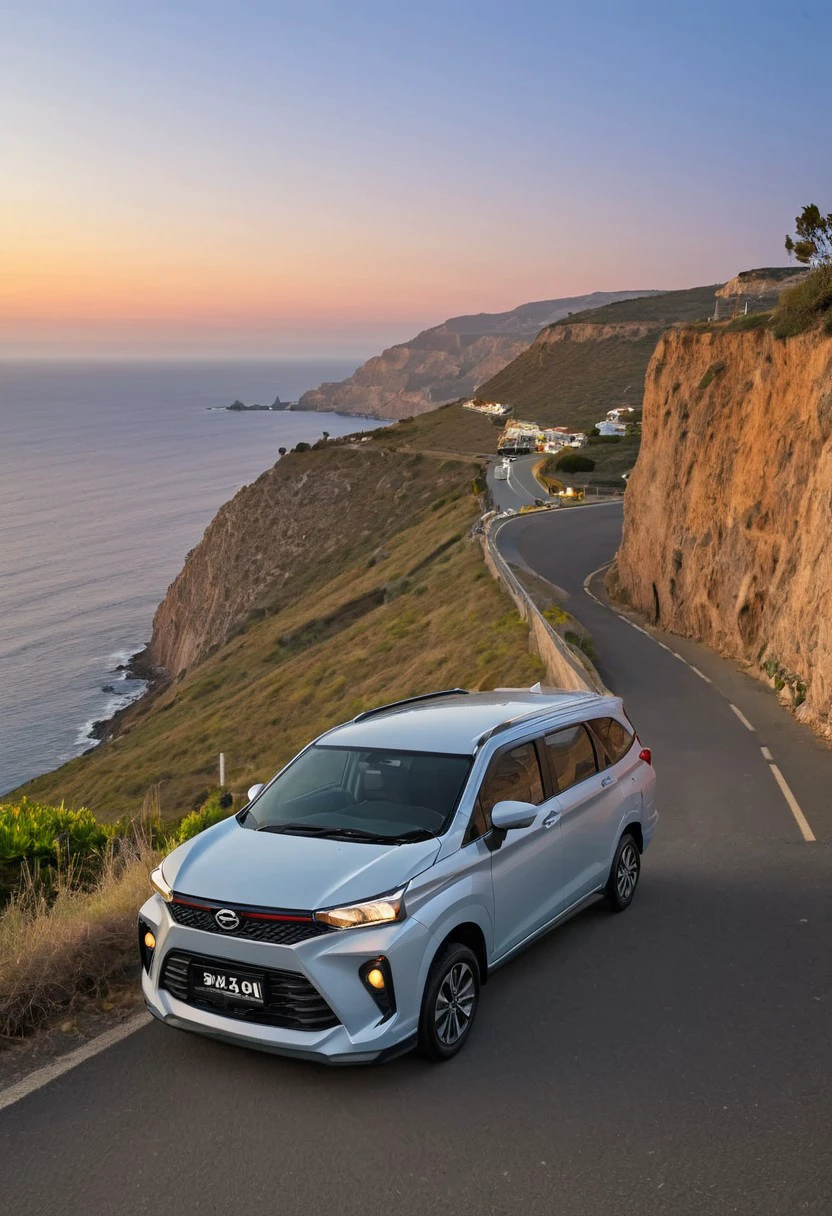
325 177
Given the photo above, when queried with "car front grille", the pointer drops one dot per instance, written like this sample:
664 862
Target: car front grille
291 1001
280 928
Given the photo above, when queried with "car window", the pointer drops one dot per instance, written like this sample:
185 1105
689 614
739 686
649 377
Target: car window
367 791
614 736
571 756
513 775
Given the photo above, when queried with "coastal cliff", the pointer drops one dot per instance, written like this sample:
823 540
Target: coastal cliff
728 513
277 537
447 362
576 370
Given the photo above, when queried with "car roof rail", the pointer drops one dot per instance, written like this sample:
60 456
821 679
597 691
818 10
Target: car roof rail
539 711
425 696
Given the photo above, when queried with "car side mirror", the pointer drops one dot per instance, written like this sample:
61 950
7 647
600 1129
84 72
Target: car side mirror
510 814
254 790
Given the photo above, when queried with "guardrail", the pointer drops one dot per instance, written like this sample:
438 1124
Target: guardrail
564 667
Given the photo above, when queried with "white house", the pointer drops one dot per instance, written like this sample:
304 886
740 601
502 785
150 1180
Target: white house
606 427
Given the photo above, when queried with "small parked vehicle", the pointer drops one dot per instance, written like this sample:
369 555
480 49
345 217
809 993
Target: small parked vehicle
355 907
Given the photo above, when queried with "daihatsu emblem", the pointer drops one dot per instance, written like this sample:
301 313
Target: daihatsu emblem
227 919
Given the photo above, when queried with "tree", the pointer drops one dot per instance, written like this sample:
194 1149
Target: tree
326 436
302 447
813 230
281 451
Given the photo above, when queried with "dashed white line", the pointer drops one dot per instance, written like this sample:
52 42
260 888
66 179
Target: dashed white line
743 719
800 819
701 674
72 1059
766 754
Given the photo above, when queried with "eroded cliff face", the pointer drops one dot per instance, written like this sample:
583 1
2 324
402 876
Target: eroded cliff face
728 513
286 531
449 361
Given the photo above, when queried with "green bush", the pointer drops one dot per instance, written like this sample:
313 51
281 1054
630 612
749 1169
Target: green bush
802 305
574 462
214 810
31 830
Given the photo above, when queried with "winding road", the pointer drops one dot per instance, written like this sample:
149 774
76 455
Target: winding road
674 1060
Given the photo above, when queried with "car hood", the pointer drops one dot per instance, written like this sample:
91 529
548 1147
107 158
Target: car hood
232 864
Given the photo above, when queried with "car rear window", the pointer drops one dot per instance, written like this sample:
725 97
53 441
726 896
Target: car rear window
615 738
571 756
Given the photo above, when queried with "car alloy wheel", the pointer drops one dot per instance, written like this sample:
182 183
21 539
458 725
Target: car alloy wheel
449 1002
624 874
455 1004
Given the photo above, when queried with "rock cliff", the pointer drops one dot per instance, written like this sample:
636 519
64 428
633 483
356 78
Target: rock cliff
279 536
447 362
728 513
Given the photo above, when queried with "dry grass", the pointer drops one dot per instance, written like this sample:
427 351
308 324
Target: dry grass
61 941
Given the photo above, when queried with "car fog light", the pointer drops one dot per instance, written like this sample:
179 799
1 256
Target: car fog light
150 941
379 983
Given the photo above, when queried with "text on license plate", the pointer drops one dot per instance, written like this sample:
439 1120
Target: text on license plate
226 983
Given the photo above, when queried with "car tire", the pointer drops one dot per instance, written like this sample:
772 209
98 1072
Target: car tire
449 1003
624 874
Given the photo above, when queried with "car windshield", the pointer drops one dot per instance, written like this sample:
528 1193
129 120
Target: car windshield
364 794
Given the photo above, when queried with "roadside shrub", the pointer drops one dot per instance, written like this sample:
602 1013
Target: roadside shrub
574 462
802 305
30 830
214 810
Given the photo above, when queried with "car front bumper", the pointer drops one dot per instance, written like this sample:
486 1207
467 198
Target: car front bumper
331 963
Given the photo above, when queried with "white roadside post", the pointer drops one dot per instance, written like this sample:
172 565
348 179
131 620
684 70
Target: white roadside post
222 770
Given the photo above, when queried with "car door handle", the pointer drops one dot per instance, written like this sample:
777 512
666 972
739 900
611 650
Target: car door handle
607 781
551 819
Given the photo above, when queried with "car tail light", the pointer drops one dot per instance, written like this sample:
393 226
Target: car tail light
646 755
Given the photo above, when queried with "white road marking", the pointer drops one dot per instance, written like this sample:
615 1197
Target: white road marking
658 643
745 722
766 754
701 674
800 819
676 655
49 1072
590 577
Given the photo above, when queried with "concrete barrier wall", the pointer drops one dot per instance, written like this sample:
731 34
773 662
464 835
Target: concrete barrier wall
564 668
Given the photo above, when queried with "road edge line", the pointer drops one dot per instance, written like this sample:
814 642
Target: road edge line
56 1068
743 718
794 806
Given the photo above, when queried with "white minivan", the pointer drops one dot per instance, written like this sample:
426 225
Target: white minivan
356 905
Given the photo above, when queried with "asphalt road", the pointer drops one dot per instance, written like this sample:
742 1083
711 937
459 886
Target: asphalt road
673 1060
521 487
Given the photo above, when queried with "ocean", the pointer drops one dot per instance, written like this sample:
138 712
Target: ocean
109 474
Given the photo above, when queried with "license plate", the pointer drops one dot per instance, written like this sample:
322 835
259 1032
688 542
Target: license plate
224 985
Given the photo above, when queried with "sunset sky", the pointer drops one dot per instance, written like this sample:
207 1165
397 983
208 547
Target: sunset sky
272 177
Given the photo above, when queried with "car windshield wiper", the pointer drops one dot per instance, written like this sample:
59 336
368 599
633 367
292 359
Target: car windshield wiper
377 837
295 829
316 829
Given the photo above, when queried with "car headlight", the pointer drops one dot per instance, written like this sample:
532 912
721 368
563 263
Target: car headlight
160 886
375 912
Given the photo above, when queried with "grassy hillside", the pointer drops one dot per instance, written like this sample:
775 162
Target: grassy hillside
420 613
449 430
573 382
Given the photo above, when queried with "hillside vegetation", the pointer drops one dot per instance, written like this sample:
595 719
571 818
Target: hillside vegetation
409 608
579 368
